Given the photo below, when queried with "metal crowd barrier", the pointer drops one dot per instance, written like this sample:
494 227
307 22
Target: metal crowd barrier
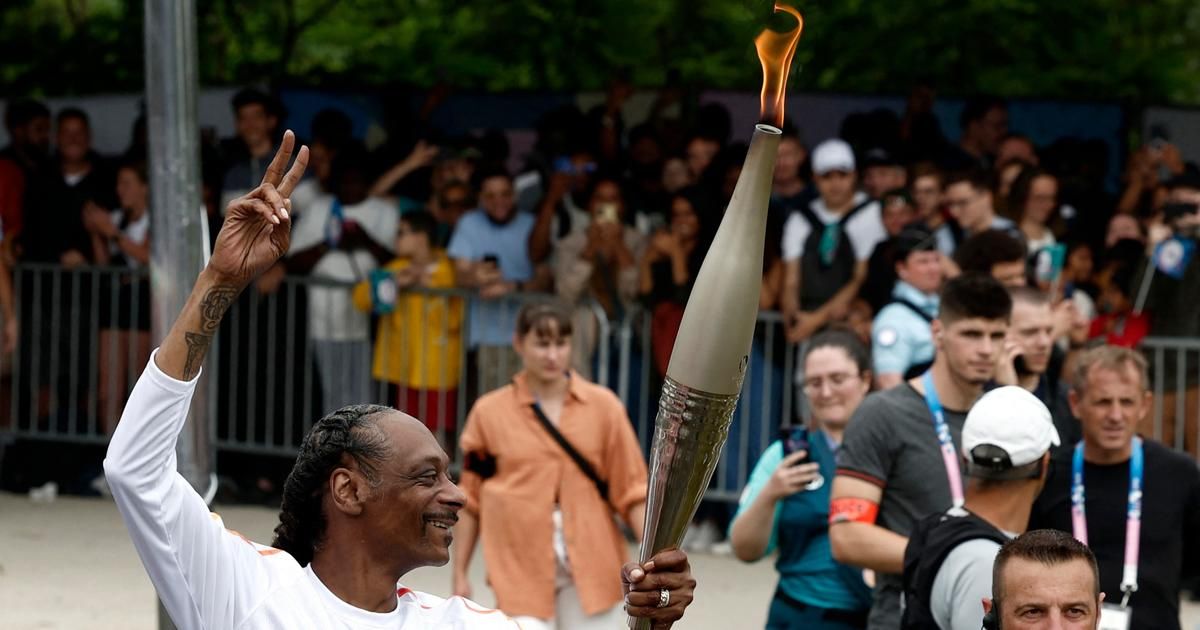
283 359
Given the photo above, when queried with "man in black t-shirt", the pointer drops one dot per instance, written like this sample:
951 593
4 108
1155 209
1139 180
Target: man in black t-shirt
1109 396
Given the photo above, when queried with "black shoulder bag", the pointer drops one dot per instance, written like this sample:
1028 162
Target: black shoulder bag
580 461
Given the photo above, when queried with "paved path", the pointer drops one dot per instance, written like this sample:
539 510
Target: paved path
69 564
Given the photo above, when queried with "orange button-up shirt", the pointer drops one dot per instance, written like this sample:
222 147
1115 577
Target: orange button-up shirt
515 506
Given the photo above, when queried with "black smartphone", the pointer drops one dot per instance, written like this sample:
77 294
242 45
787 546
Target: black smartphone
795 438
492 259
1021 368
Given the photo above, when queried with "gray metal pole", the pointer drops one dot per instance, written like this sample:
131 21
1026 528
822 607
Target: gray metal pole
177 244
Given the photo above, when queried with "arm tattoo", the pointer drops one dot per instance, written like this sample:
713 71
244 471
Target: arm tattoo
212 309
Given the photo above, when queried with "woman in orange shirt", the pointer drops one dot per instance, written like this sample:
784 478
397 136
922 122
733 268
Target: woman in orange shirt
550 540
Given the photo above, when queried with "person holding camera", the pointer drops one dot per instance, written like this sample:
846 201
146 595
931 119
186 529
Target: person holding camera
1174 281
599 264
1006 443
785 505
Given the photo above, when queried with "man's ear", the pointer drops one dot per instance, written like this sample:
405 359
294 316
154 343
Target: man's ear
1074 401
987 605
348 491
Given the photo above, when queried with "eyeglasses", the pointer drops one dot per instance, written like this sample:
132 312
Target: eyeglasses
960 203
835 380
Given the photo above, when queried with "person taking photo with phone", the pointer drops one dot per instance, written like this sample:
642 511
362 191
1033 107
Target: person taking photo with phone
785 505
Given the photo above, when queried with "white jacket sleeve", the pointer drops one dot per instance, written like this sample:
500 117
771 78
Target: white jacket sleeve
206 576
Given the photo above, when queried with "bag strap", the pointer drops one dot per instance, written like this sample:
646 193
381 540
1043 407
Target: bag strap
853 211
914 308
583 464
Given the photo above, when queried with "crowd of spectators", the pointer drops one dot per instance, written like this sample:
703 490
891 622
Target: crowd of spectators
865 231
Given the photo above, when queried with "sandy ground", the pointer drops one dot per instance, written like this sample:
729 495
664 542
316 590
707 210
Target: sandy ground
69 565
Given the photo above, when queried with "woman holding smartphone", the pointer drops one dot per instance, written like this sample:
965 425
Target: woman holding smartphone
785 505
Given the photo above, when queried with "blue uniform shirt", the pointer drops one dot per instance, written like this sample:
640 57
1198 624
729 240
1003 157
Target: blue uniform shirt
902 338
807 570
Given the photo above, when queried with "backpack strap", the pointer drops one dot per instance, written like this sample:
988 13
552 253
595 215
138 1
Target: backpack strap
914 308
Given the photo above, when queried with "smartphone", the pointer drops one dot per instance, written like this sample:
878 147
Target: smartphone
492 260
795 438
1021 368
606 212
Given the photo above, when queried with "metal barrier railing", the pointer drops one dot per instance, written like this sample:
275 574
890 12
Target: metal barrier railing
285 358
1175 383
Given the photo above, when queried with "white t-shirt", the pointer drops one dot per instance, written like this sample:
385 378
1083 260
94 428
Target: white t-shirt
136 231
211 578
331 312
864 229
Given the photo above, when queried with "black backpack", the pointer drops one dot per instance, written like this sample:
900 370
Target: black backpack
933 538
821 279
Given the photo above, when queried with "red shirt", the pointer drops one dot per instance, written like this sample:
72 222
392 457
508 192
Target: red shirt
1129 335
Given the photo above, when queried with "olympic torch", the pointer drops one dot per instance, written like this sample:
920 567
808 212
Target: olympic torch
712 348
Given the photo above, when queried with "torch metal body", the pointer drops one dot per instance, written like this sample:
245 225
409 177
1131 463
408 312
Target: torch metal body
709 360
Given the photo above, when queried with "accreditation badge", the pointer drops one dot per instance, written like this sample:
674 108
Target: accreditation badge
1114 617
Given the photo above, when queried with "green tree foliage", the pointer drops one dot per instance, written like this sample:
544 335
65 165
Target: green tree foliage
1127 50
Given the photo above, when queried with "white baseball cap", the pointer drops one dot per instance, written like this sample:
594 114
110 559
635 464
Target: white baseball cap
1007 428
832 155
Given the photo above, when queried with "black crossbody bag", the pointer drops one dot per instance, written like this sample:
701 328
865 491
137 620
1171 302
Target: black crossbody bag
580 461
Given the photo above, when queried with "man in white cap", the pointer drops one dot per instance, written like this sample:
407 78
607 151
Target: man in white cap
826 244
1006 443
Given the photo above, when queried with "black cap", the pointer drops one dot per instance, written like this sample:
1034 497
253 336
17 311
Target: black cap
915 237
879 156
895 195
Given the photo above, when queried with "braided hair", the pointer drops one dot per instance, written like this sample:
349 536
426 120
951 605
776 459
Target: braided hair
347 431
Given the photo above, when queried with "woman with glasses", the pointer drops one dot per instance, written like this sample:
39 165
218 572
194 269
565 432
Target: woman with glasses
785 505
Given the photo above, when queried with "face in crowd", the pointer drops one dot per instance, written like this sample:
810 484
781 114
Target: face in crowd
545 351
1032 329
970 346
837 187
255 124
497 198
1034 596
834 385
922 270
972 208
74 139
788 158
1109 405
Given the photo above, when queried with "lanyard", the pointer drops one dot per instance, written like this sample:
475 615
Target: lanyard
1133 513
949 456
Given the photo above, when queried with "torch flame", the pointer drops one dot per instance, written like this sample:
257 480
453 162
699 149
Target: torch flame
775 51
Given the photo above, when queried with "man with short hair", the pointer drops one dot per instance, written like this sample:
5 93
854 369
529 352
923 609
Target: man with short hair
1044 579
28 124
984 123
1101 489
246 156
490 251
882 171
368 500
968 198
1006 444
897 463
996 253
903 343
827 243
1029 359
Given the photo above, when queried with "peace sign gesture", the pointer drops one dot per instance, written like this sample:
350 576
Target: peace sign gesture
257 229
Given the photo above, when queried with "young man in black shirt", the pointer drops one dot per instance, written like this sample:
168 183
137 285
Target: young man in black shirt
1160 506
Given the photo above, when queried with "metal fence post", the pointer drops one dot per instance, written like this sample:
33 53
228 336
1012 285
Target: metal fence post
177 250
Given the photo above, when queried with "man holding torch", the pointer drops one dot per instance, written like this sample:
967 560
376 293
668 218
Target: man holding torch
369 498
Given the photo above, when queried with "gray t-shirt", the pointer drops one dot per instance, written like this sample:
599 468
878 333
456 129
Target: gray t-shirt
963 580
890 442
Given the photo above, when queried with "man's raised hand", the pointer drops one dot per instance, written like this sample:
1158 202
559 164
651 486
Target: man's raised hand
257 229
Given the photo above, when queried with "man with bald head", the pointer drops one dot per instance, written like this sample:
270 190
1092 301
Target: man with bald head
369 499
